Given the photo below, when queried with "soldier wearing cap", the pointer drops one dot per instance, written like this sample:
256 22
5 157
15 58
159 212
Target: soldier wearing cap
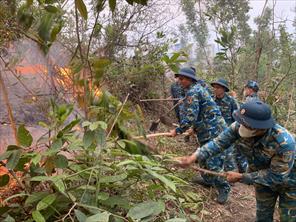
177 92
227 106
201 112
271 156
251 91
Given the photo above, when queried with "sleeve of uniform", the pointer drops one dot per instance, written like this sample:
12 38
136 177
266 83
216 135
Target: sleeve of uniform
220 143
190 114
280 166
234 106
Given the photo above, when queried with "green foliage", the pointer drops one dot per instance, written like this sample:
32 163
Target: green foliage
88 175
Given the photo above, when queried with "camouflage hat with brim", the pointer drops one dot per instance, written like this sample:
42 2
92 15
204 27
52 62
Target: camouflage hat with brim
255 115
221 82
187 72
253 85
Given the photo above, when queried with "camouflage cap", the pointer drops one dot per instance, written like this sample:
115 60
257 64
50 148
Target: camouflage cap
254 114
253 85
221 82
187 72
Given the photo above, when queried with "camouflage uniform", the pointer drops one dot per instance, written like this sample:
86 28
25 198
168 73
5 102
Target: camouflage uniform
227 106
254 96
177 92
201 112
272 168
252 85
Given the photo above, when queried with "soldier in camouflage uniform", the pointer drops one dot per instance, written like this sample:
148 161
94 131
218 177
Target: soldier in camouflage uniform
201 112
270 150
177 92
227 106
251 91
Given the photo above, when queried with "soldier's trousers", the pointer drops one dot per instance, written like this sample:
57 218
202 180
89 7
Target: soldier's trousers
215 163
266 199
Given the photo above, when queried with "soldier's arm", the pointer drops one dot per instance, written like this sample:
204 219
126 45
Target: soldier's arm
280 168
190 114
219 144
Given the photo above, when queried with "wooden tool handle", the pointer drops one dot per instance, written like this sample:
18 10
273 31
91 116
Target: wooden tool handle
167 99
152 135
208 172
156 135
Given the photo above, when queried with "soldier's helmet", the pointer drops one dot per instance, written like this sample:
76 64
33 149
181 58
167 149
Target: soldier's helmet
221 82
253 85
187 72
255 115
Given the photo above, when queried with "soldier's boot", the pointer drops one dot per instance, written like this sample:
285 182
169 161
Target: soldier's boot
199 180
223 195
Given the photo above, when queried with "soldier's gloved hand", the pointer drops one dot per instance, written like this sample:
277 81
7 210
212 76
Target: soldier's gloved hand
185 161
173 133
233 177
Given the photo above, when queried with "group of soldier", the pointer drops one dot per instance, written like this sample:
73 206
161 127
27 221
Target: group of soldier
242 140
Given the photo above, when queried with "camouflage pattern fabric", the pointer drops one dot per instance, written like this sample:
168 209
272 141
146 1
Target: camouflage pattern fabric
177 92
272 168
227 106
252 97
200 111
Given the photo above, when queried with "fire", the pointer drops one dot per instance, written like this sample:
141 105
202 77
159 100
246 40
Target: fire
33 69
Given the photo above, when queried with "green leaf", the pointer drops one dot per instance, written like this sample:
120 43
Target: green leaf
34 197
163 179
112 5
61 161
103 196
100 217
55 31
176 220
146 209
70 126
79 4
46 202
24 136
9 219
36 159
51 9
4 180
13 159
175 57
112 179
88 138
59 185
5 155
37 216
116 201
81 217
101 137
57 144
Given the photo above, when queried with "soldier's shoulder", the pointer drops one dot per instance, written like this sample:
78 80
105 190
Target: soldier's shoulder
282 135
